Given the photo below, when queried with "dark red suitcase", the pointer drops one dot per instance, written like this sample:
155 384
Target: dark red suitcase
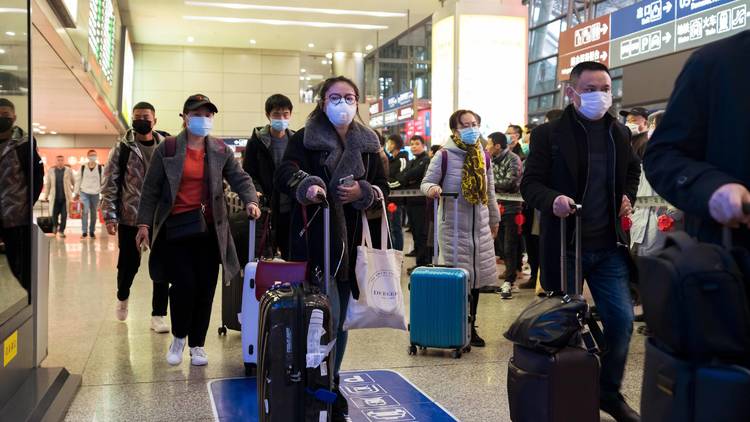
558 387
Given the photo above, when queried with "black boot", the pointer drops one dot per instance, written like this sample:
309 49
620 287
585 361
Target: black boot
476 341
619 409
340 408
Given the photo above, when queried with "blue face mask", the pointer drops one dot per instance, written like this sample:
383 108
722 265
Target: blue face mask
525 148
279 125
200 126
469 135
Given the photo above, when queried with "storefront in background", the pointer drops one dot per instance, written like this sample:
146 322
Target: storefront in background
401 114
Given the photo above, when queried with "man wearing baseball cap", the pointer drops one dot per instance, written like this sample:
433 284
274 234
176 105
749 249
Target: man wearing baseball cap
636 119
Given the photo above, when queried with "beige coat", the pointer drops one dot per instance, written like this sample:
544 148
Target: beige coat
51 181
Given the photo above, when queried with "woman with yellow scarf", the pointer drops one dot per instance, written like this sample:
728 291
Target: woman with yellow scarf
467 172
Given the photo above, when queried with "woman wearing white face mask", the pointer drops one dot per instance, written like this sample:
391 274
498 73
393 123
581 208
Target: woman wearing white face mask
183 207
317 163
468 172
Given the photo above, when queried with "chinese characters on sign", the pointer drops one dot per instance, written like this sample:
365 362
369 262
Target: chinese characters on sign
102 35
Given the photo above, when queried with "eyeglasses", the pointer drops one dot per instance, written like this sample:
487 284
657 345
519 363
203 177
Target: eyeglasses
350 99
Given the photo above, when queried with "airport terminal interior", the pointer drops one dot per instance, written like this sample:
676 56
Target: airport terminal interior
86 80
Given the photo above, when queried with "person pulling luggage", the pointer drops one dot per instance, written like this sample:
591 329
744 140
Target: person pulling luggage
585 157
184 208
466 171
336 157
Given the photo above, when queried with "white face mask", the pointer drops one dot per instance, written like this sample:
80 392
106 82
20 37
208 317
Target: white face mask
633 128
340 114
92 158
594 105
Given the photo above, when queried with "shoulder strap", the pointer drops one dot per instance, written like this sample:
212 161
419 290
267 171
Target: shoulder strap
100 170
443 164
170 146
82 168
487 159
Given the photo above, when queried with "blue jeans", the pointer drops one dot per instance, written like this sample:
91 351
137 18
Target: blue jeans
339 298
397 232
90 205
607 275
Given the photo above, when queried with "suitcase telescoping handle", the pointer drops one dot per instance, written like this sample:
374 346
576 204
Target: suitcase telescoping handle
251 240
326 243
435 222
726 231
578 285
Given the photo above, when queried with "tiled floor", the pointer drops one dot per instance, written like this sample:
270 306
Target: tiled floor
126 377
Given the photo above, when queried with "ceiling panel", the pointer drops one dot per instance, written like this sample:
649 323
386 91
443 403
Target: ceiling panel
172 22
59 102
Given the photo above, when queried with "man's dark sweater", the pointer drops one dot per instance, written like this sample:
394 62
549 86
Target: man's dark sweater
598 226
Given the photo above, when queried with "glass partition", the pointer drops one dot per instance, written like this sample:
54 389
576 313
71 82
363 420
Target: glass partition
15 160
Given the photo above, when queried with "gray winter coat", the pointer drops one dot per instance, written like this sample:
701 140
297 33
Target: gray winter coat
476 250
121 206
160 191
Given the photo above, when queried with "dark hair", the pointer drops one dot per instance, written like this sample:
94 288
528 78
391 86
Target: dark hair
417 138
455 118
60 156
318 112
435 148
90 151
144 106
553 115
397 139
498 138
575 74
4 102
531 126
278 101
517 129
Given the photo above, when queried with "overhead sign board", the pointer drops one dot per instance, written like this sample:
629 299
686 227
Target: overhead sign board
586 42
649 29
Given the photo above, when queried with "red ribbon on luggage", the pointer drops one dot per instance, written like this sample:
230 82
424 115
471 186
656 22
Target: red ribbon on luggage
392 207
665 223
520 220
501 209
626 223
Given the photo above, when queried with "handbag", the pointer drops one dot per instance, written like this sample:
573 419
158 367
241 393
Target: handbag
190 223
381 299
549 324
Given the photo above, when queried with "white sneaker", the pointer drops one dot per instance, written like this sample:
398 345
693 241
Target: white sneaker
122 310
505 291
198 356
174 354
159 324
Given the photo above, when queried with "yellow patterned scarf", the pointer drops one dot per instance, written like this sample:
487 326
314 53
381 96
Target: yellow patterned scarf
473 173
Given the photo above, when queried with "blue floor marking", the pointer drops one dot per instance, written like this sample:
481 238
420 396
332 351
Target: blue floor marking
373 396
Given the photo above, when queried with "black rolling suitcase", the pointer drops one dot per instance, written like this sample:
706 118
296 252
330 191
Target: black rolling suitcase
45 223
231 295
295 360
553 374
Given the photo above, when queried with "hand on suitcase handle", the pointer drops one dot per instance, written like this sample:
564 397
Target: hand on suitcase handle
730 205
564 206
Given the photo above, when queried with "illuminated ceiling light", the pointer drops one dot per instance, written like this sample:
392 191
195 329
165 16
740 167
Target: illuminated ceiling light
369 47
13 10
253 42
41 132
340 55
307 78
243 6
2 51
10 33
357 55
35 124
53 133
301 78
281 22
190 39
329 55
42 127
303 70
311 45
324 61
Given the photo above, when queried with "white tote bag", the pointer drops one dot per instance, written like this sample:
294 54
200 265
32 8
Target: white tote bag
381 299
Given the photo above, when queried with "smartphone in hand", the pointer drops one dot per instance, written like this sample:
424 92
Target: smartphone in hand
347 181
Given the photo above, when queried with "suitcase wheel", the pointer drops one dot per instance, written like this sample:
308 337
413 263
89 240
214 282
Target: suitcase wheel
456 354
222 330
412 350
250 369
467 349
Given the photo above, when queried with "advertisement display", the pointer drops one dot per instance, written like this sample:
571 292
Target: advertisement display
102 36
128 71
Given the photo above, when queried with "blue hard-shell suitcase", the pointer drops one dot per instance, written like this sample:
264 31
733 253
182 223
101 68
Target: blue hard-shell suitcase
439 311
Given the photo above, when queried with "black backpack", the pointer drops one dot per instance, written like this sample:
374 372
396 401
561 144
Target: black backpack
695 299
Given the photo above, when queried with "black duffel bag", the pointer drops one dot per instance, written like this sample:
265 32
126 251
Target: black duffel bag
549 324
695 299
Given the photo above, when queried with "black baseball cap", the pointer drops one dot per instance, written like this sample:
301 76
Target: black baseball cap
635 111
196 101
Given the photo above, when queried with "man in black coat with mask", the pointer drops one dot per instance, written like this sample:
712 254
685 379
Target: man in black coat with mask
585 158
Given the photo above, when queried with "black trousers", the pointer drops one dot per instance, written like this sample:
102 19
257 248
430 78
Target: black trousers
193 267
511 247
18 251
60 214
532 249
418 224
128 262
473 305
